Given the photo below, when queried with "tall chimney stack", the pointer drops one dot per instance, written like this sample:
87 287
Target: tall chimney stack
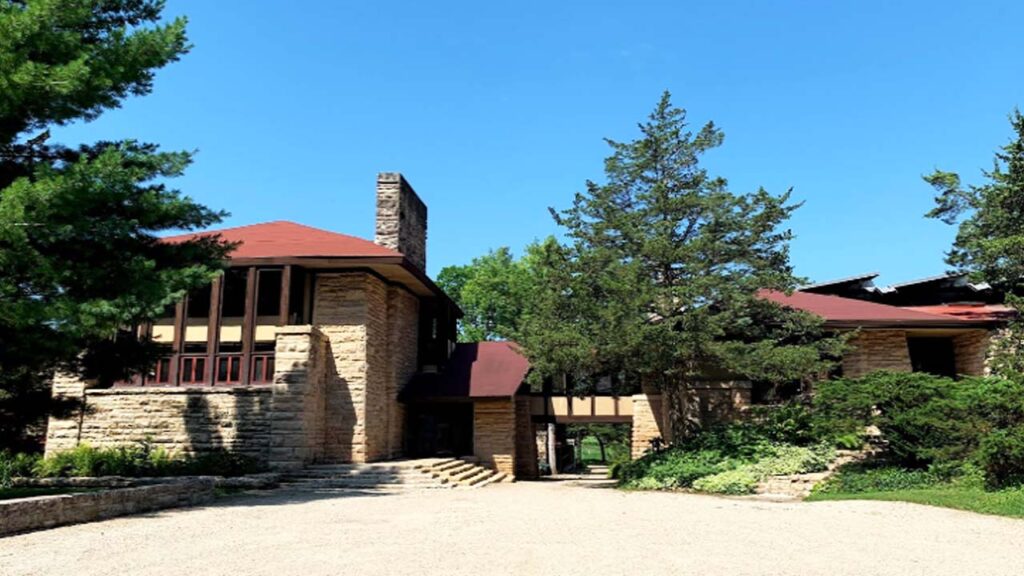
401 218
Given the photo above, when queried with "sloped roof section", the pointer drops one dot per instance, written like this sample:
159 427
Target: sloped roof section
994 312
848 311
475 370
284 239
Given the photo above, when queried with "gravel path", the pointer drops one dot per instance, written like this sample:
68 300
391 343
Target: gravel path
526 528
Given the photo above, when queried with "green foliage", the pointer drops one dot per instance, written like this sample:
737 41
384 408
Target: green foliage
989 244
15 465
492 291
742 480
141 459
661 271
732 458
1001 455
784 460
79 224
929 420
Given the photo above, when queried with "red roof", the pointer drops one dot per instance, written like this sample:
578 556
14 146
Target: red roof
282 239
969 311
475 370
836 309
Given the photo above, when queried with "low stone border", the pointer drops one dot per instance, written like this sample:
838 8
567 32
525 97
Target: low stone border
39 512
251 481
799 486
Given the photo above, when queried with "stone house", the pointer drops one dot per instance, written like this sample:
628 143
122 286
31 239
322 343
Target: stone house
298 353
319 347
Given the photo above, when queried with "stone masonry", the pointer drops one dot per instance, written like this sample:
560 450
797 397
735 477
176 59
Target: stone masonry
872 350
494 434
971 350
178 419
298 418
401 218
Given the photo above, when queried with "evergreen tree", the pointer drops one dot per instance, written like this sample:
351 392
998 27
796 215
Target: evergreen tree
80 259
659 279
989 244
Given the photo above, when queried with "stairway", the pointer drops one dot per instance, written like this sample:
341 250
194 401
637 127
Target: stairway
394 476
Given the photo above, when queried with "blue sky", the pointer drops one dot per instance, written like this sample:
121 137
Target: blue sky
496 111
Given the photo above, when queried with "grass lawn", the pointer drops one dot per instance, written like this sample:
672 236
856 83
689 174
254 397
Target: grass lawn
1001 503
592 451
26 492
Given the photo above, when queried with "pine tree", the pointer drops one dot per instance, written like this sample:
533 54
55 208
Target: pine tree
79 253
989 244
659 278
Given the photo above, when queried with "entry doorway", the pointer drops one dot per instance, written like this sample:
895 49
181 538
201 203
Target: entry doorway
933 355
441 429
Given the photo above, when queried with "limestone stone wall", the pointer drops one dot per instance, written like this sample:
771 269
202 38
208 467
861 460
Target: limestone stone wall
298 418
178 419
25 514
526 440
971 350
877 350
494 434
403 350
647 422
378 370
401 218
340 313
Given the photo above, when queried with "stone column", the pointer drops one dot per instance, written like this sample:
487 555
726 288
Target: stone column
647 416
297 405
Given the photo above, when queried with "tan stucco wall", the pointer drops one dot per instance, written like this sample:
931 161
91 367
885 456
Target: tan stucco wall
494 434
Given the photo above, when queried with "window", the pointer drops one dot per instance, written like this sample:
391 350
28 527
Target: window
268 293
932 355
233 299
199 303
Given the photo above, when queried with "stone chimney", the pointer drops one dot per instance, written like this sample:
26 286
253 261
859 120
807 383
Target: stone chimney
401 218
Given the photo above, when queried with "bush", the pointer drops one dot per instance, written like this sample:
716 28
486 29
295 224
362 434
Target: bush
787 459
1001 456
141 459
15 466
673 468
932 421
741 480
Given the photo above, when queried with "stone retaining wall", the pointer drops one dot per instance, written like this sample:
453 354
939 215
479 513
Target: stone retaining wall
178 419
36 513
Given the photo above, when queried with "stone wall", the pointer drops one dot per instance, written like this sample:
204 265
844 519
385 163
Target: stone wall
298 419
494 434
403 350
340 313
378 370
526 440
647 422
877 350
971 350
178 419
25 514
401 218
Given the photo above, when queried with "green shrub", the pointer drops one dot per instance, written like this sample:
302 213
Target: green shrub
141 459
1001 456
15 466
928 420
742 480
674 468
789 423
869 478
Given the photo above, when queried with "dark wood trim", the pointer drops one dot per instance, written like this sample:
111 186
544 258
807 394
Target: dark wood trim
309 290
286 289
178 344
213 329
248 321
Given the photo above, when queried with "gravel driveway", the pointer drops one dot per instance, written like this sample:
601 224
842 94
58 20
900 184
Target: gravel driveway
526 528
